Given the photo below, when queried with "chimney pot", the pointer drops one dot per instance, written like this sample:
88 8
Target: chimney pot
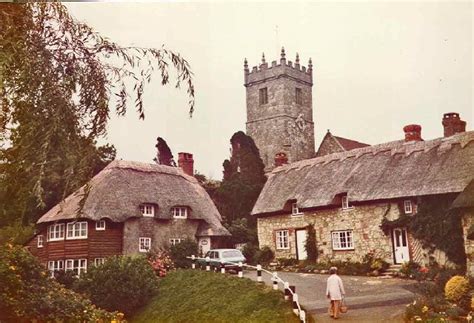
412 132
186 163
453 124
281 159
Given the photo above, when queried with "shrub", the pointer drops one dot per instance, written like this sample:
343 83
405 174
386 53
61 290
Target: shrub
122 283
285 262
249 251
311 244
28 294
160 262
66 278
456 288
180 251
264 256
410 269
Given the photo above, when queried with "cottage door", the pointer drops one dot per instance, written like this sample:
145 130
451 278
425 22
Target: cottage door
400 245
301 244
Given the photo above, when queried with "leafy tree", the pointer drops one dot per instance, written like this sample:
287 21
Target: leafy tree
243 181
311 246
211 186
59 82
164 155
180 251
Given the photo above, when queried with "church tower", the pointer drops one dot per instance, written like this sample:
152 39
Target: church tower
279 109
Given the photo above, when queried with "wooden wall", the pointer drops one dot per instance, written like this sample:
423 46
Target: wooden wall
99 244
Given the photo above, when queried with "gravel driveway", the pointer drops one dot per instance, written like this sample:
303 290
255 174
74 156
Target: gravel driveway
370 299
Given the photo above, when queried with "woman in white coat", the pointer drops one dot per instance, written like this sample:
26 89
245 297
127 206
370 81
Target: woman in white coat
334 292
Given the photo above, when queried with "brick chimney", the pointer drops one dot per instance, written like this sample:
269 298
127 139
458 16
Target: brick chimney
186 163
453 124
412 132
281 159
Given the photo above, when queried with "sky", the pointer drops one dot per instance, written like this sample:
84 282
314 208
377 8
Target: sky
378 66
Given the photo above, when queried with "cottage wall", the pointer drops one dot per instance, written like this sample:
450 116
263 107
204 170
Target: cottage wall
160 232
467 222
363 220
99 244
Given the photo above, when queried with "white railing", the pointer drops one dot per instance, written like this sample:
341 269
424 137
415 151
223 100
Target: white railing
274 277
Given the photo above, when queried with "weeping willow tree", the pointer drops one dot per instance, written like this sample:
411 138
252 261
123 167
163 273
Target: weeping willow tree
59 83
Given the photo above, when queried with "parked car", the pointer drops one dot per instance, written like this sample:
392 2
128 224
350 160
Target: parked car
230 257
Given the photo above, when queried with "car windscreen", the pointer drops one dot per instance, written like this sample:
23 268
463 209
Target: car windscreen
232 254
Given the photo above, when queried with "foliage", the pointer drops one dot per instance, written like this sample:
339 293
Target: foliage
161 262
311 246
180 251
199 296
264 256
286 262
28 294
434 222
164 155
456 288
410 269
15 232
211 186
66 277
122 283
243 181
426 309
242 232
59 82
249 251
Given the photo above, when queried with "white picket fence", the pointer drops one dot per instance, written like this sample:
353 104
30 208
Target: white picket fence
274 277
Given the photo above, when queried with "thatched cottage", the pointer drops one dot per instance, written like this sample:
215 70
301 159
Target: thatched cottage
128 208
348 194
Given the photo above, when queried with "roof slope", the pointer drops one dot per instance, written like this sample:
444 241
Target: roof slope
333 144
118 190
391 170
466 198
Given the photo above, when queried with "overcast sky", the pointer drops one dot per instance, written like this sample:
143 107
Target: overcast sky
378 67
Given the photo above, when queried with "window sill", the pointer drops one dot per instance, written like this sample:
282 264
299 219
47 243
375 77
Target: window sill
148 215
56 239
297 214
349 249
39 247
282 248
76 238
350 208
96 229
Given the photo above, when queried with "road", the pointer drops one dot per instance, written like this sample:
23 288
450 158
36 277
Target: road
370 299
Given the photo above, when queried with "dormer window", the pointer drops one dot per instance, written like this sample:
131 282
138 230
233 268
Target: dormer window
295 210
179 212
100 225
345 202
147 210
408 207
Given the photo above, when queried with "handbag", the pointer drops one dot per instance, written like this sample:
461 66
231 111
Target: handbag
343 308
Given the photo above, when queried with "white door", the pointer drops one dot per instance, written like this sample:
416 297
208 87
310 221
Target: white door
204 245
400 245
301 244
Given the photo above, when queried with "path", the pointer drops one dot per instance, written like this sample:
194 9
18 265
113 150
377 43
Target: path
370 299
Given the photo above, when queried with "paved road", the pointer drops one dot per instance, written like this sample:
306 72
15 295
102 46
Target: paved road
370 299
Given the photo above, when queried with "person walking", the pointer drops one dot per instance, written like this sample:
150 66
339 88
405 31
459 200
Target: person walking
334 292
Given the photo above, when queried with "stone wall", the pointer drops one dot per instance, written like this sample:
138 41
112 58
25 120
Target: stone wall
159 231
328 146
363 220
467 221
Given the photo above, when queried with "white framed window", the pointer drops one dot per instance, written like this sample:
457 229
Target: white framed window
345 202
147 210
295 210
342 240
77 265
175 241
144 244
56 232
55 265
40 241
99 261
76 230
282 241
179 212
408 207
100 225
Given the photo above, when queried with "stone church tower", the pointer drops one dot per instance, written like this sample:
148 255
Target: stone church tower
279 110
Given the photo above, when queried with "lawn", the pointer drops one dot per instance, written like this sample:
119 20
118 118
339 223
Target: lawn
199 296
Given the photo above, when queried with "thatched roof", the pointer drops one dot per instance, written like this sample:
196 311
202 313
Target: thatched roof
466 198
386 171
118 190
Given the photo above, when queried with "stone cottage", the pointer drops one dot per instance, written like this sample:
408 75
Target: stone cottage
347 195
127 208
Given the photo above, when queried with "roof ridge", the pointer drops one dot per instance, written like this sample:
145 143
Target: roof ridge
395 147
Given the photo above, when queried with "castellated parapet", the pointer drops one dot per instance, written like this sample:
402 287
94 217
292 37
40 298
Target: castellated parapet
279 109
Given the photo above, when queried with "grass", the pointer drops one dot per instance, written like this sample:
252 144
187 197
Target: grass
199 296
